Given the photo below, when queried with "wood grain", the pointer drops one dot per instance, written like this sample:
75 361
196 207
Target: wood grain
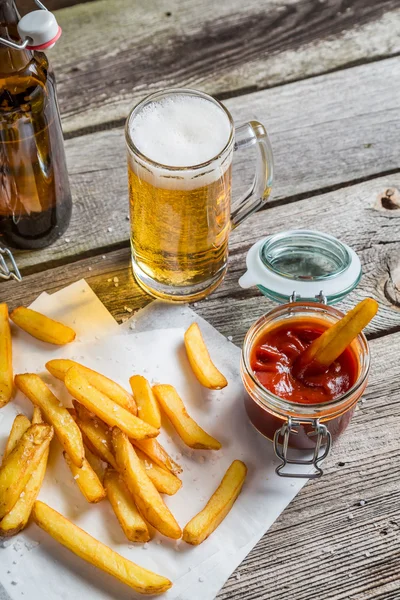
320 142
351 213
325 545
25 6
113 53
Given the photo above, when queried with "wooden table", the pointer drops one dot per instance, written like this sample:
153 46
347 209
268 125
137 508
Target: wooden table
324 76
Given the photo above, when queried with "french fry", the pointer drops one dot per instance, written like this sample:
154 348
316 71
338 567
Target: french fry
67 431
110 412
324 350
205 522
37 415
20 425
88 548
165 481
131 521
97 433
59 367
158 454
41 327
188 430
147 498
6 370
87 480
19 465
96 463
147 406
200 360
18 517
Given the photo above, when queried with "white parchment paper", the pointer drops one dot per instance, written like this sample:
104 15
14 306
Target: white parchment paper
151 344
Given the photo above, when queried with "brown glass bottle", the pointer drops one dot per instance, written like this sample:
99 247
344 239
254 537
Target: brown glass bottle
35 198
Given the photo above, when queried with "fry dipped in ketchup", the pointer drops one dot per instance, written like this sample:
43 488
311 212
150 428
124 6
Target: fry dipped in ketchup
308 361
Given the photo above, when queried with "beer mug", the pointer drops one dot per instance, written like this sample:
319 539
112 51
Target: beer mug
180 146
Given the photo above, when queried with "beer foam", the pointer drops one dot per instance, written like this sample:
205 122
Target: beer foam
180 130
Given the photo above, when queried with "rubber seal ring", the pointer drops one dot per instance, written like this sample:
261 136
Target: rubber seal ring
47 44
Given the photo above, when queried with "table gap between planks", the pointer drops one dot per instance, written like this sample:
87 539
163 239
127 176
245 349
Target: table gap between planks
324 76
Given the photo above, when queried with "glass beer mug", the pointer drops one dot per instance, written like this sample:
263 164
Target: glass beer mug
180 147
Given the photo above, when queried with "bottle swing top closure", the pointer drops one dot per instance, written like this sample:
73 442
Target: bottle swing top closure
38 30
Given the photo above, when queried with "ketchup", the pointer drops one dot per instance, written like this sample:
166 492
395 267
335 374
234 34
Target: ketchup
275 352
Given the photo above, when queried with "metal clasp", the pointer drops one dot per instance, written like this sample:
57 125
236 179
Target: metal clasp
320 297
25 42
323 441
5 271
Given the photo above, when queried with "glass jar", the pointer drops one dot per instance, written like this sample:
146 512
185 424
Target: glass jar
308 270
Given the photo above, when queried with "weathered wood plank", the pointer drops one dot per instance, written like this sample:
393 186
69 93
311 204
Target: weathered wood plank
354 214
325 545
320 141
25 6
111 54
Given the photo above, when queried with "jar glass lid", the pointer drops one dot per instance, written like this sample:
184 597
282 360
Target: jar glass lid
304 265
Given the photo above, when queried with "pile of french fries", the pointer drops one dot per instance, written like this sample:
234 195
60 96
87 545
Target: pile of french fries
109 443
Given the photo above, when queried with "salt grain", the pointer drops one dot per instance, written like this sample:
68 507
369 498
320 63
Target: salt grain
115 279
362 503
230 338
30 545
76 476
367 554
109 229
116 284
68 240
145 545
103 257
89 268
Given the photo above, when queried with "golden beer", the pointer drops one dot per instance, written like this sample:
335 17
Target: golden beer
180 145
180 237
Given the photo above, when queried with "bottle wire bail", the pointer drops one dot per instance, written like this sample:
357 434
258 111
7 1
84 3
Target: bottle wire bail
38 30
5 271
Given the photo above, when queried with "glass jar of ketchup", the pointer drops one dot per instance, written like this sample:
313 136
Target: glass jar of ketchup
306 271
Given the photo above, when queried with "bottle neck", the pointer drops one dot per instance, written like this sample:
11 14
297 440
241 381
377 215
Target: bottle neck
11 60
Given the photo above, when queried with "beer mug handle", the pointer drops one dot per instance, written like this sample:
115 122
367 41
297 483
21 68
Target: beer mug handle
247 135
